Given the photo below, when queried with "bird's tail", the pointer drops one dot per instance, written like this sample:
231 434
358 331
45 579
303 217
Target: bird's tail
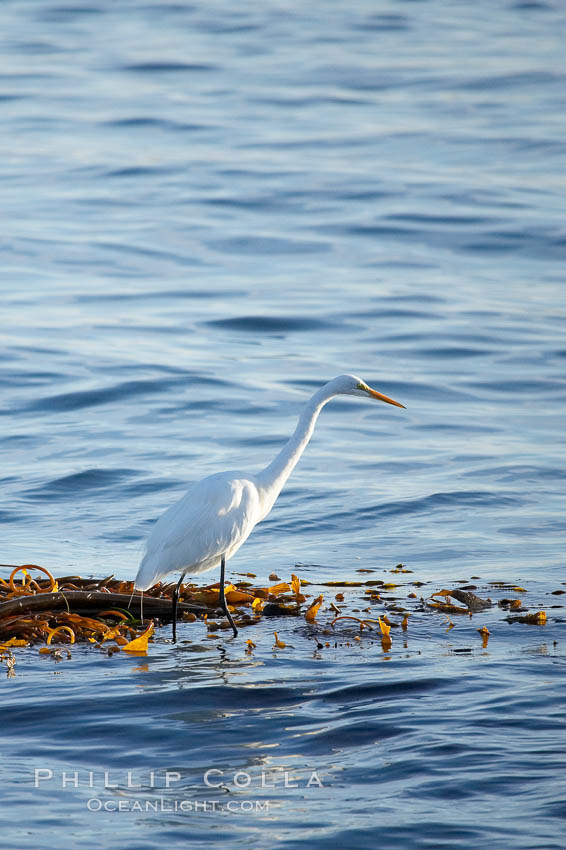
148 574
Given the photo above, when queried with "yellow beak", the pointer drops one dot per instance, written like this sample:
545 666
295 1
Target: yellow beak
385 398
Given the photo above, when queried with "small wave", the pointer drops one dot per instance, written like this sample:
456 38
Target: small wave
89 479
450 352
103 395
8 516
428 219
270 324
169 67
377 691
431 504
142 171
160 295
523 387
385 22
267 245
520 79
148 123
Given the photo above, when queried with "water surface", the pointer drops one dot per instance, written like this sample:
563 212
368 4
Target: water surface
210 210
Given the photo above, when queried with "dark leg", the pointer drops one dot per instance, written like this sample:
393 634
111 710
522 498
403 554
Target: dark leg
175 601
222 598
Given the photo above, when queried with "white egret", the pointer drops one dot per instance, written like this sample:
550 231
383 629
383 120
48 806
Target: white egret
215 517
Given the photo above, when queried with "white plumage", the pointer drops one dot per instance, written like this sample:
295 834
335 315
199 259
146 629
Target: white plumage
214 518
216 515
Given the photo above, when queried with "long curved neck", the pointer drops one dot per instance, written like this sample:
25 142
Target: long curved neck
274 476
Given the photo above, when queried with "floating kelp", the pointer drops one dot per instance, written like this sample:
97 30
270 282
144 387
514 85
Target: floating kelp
38 609
472 603
536 619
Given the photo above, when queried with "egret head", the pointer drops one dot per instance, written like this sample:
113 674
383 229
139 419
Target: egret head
352 385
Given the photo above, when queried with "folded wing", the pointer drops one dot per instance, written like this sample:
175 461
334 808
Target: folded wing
212 519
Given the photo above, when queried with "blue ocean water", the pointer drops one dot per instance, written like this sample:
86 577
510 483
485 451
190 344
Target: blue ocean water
210 209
